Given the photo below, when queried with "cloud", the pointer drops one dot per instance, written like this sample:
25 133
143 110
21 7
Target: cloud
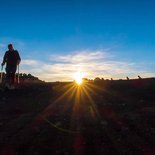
80 56
147 74
92 63
30 62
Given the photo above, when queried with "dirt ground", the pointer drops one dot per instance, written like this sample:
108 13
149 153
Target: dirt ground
102 118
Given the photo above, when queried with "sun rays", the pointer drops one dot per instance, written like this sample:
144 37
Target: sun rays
74 102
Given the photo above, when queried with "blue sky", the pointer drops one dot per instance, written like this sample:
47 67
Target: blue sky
105 38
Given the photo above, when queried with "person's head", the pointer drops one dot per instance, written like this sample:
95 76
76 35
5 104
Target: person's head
10 47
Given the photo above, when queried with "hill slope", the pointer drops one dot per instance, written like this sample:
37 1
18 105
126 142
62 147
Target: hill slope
110 117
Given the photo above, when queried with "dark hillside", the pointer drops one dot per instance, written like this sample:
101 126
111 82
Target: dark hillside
101 117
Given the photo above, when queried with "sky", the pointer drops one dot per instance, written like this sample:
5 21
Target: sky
101 38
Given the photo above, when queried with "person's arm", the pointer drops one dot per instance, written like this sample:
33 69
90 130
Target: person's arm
18 58
4 59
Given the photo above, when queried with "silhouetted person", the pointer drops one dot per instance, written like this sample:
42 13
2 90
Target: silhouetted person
12 59
139 77
127 78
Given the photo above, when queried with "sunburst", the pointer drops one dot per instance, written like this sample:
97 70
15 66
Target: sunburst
78 76
75 100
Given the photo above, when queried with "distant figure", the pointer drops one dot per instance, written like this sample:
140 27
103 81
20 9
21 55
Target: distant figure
127 78
12 59
111 79
139 77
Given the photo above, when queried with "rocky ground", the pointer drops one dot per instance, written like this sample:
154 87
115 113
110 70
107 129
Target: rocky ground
102 118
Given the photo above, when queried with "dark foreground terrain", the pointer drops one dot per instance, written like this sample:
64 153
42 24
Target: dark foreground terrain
102 118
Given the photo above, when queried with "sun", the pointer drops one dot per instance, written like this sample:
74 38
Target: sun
78 76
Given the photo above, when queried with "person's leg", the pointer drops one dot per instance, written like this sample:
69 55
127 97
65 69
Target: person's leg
12 78
7 78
